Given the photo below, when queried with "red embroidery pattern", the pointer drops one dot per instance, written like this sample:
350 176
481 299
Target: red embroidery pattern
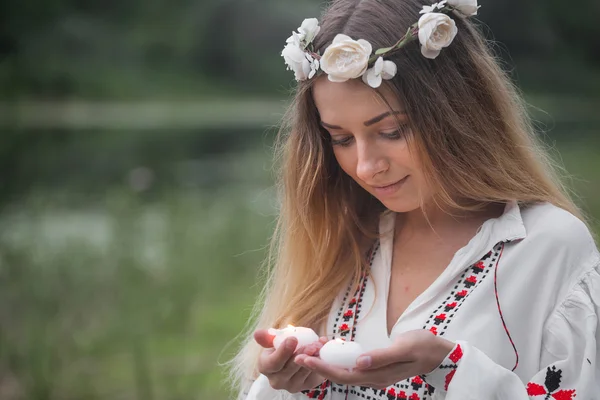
348 314
479 265
352 313
551 386
441 317
451 362
399 391
317 393
461 295
344 329
456 355
471 281
348 327
450 306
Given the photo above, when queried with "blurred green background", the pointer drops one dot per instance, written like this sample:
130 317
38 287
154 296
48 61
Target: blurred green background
136 193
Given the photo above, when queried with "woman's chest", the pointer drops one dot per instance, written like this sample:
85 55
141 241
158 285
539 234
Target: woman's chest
409 280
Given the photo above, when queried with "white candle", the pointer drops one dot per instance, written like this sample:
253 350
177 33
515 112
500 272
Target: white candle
340 353
305 336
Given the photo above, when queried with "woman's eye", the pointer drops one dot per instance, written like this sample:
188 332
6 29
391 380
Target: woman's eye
345 141
397 134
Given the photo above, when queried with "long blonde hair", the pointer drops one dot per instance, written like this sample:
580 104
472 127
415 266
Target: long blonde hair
472 135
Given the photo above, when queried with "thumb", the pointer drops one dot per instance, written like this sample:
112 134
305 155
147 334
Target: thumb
263 338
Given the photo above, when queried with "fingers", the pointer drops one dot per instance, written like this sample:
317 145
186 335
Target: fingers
311 350
382 377
300 378
305 378
263 338
335 374
289 370
292 376
396 354
271 363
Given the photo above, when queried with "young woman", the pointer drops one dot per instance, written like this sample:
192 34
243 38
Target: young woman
420 218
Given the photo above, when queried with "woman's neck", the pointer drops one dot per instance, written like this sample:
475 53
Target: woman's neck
435 220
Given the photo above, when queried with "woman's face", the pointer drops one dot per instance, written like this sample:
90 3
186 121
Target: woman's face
368 143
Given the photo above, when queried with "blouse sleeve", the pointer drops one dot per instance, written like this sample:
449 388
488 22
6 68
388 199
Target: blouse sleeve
568 359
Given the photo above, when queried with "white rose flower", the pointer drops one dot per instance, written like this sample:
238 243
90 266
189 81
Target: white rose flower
436 31
303 64
294 39
466 7
309 29
346 58
294 58
381 70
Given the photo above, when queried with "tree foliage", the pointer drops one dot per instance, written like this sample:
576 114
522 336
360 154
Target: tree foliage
62 48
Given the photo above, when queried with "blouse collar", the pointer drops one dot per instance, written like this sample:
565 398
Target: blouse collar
508 227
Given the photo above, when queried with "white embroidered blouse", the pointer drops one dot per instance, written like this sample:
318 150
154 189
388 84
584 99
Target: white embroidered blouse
520 300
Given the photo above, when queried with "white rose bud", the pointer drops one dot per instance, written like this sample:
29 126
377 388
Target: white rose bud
466 7
296 60
436 31
309 29
346 58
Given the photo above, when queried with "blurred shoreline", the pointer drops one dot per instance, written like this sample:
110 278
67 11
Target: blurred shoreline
226 113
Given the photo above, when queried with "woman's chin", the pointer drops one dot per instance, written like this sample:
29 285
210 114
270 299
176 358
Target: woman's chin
400 205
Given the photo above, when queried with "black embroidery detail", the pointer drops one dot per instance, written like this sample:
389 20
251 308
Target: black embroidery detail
441 317
317 393
417 383
552 385
553 378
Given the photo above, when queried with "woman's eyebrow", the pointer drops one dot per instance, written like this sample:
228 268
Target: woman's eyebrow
382 116
367 123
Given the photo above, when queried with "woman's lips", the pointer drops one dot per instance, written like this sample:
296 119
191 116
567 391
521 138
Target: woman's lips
389 189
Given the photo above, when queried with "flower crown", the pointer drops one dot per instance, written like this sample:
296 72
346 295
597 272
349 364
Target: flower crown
346 58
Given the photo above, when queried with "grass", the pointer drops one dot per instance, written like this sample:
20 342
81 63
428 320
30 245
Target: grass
143 310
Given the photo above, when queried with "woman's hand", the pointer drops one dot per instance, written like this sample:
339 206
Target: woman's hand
279 366
412 353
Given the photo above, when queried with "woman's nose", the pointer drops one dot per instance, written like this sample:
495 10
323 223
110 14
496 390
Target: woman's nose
369 163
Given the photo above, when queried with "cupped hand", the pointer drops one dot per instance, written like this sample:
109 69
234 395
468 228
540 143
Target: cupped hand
279 367
412 353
